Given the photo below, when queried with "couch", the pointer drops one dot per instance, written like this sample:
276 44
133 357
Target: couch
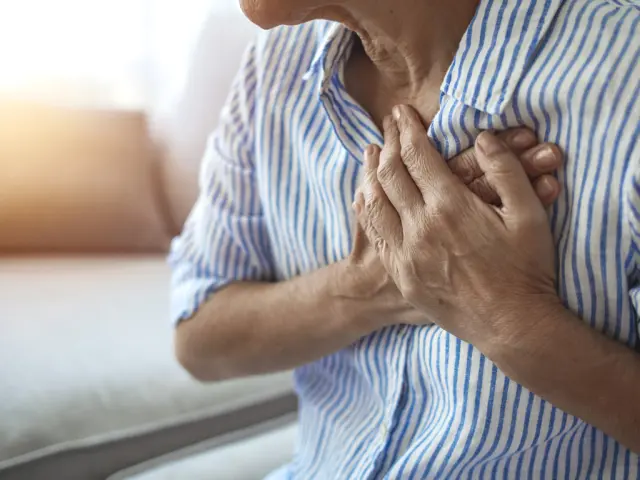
89 387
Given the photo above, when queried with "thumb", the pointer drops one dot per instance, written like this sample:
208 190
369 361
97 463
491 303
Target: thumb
506 175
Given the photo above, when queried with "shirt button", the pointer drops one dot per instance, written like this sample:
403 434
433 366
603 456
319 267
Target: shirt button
383 430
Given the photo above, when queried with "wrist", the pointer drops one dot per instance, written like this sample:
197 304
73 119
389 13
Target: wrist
354 301
526 332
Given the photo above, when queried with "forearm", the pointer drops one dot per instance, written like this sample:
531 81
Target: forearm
256 328
580 371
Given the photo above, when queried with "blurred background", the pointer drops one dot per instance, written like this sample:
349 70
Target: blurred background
105 110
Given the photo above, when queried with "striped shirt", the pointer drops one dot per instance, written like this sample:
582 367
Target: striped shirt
277 185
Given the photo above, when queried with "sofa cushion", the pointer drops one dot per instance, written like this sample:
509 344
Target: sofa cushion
88 379
74 179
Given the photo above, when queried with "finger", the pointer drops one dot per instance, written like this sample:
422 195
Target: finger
544 158
366 228
465 165
423 162
506 175
360 240
393 175
483 190
377 206
519 140
548 189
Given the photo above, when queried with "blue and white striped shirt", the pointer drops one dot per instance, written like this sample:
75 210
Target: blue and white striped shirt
277 184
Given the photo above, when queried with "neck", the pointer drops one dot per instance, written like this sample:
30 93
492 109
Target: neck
411 41
409 44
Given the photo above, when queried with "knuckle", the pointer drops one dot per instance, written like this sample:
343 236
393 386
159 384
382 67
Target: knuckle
419 235
409 151
378 245
466 169
387 169
501 170
373 204
439 206
484 191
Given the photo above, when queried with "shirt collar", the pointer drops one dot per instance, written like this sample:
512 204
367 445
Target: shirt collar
496 50
335 42
492 57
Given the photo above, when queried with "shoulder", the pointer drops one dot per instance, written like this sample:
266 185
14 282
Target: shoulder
588 64
592 35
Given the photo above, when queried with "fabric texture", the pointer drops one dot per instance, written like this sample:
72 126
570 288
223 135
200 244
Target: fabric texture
88 380
77 180
277 185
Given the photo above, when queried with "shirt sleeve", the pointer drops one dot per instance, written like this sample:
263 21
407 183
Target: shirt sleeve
633 204
224 239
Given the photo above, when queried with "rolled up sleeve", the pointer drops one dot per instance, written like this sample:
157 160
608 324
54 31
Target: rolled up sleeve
224 239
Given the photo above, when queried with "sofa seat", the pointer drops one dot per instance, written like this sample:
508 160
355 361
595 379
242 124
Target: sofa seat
253 457
88 381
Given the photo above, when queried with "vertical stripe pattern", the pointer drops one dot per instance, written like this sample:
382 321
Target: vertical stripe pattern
277 183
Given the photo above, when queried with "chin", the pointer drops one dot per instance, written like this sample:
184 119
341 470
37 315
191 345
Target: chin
267 13
273 13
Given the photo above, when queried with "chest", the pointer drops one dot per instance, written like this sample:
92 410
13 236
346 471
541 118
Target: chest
309 179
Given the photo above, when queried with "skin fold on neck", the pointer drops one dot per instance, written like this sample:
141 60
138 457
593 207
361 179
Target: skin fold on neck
404 52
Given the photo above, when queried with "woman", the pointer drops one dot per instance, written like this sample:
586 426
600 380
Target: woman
440 341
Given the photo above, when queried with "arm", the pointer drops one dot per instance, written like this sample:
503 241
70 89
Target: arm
577 369
254 328
490 279
232 320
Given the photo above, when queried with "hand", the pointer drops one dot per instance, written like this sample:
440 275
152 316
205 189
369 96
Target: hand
365 279
465 264
538 161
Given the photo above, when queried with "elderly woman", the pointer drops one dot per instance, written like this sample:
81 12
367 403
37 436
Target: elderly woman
461 331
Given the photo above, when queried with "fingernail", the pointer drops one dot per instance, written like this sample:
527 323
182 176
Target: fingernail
490 144
397 112
545 188
545 157
368 153
523 139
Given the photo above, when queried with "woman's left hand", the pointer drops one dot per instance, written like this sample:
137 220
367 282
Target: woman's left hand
469 266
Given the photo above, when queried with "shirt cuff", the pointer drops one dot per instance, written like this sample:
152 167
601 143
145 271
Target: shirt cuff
188 295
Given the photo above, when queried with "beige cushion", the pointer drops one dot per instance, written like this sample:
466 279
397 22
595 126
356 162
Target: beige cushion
88 381
77 180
